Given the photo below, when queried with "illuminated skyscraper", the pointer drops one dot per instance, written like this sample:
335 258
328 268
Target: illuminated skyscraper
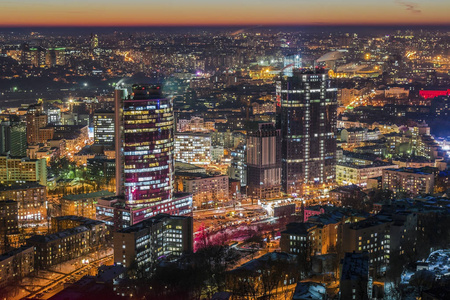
308 127
263 161
18 145
104 127
290 63
119 96
94 41
148 154
36 119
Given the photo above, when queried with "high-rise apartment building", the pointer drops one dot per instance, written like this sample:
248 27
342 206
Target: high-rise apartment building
36 119
238 167
18 140
104 129
13 138
119 96
263 161
308 128
5 137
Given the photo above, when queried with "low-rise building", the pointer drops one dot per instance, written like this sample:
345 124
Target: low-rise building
347 173
82 205
205 189
298 238
347 192
31 198
358 135
409 180
160 236
309 291
380 236
9 225
16 264
106 285
67 242
19 170
193 148
267 273
355 281
113 211
413 162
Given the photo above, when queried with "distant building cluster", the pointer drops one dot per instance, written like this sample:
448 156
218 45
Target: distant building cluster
268 164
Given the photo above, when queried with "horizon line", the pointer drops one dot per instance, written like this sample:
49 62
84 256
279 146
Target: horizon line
225 25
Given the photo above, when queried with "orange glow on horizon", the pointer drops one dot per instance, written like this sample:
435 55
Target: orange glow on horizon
111 13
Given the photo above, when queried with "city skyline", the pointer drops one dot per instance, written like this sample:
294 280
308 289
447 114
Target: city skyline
49 13
146 161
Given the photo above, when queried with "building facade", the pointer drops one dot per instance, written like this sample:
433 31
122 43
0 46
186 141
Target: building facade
160 236
409 180
147 150
348 173
104 127
73 237
36 120
206 190
308 128
20 170
9 225
193 148
264 161
32 202
16 264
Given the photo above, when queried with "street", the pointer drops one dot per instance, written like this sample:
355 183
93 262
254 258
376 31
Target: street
46 283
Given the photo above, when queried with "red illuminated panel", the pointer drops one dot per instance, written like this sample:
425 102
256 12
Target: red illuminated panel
429 94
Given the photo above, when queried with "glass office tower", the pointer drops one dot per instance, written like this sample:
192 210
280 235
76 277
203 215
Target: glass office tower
148 147
308 128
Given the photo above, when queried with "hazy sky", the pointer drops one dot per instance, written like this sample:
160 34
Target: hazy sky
221 12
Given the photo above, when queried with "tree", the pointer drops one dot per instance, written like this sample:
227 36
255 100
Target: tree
382 196
422 280
194 276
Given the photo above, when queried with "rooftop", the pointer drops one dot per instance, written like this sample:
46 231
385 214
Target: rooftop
82 220
56 236
298 228
309 290
259 263
355 266
150 222
21 186
13 252
422 171
99 194
108 273
376 164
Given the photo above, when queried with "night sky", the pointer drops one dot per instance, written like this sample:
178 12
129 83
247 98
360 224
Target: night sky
228 12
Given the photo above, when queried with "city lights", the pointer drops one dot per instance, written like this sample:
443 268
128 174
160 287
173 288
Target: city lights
258 162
